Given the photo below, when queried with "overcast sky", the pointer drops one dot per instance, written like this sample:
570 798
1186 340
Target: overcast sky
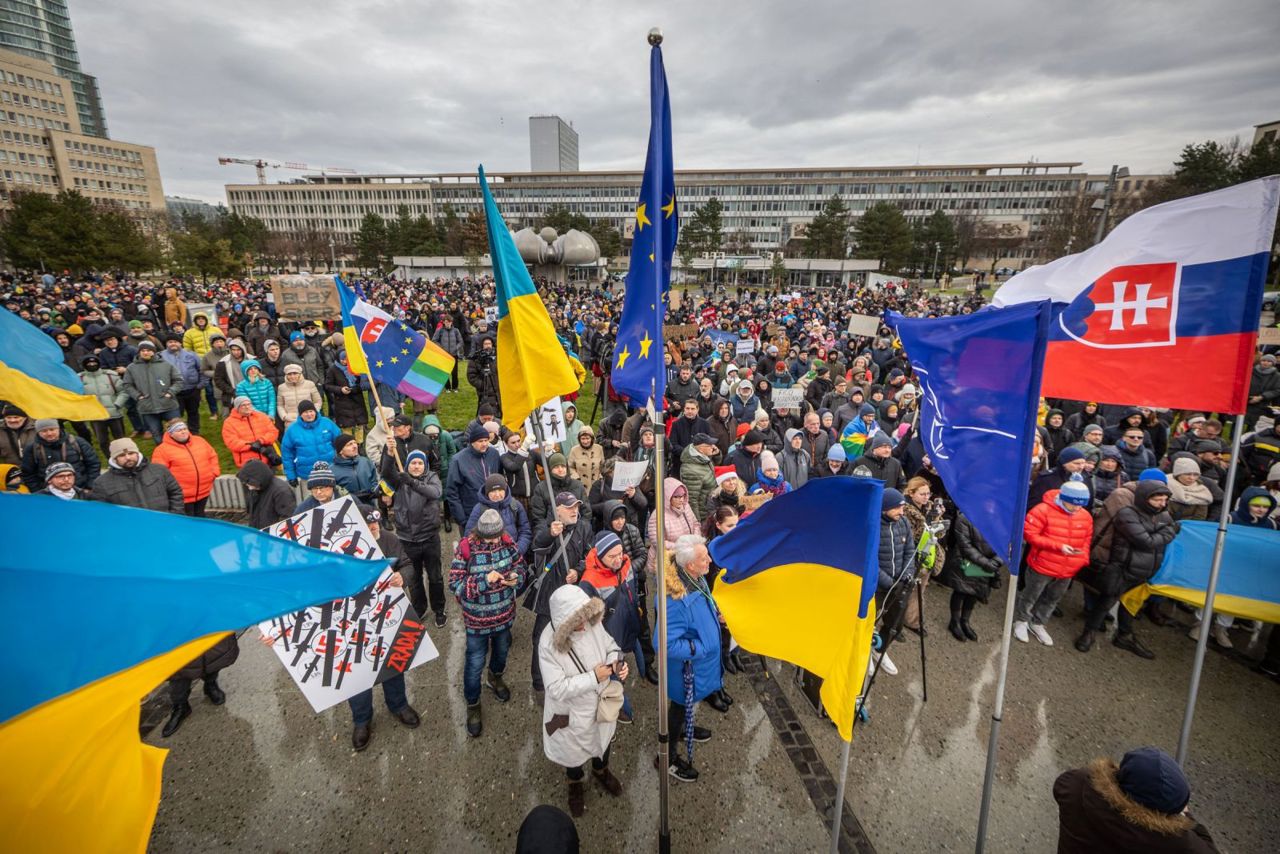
427 85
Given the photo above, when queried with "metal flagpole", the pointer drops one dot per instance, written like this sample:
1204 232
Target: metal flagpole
1206 614
660 549
988 782
839 810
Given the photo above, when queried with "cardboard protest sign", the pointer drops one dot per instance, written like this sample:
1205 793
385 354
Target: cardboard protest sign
627 475
1268 336
553 426
679 331
306 297
755 502
335 650
788 398
864 324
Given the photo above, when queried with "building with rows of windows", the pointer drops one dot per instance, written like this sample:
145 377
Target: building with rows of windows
43 147
767 207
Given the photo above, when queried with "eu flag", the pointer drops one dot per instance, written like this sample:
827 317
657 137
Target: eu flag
979 380
800 582
638 371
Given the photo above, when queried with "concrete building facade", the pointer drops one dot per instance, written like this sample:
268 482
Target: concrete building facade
44 148
553 145
41 29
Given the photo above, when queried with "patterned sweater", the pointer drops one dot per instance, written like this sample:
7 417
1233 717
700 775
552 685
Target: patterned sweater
486 609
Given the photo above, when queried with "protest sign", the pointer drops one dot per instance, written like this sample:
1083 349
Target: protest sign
679 331
864 324
208 309
335 650
553 427
755 502
720 337
491 314
306 297
627 475
1268 336
744 346
787 398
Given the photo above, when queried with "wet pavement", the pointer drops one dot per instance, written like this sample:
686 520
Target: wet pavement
265 773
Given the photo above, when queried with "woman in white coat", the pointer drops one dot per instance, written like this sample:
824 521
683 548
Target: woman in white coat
578 660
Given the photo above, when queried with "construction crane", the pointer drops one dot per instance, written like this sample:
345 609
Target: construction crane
261 165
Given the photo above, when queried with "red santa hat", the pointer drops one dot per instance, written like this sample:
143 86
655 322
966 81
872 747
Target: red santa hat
724 473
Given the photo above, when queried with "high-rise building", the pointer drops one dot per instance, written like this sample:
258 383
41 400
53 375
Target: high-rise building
553 144
44 149
41 29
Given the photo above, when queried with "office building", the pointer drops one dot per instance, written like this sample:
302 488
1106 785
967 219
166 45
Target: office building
44 148
553 145
1266 132
41 29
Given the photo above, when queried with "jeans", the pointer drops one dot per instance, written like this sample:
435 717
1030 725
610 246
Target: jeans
1038 597
154 422
392 692
638 650
211 398
424 556
478 648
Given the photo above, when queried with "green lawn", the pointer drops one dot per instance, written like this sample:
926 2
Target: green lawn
455 409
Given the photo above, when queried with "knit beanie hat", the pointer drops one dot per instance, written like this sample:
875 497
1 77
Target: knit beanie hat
556 459
492 482
1070 455
892 498
879 440
120 446
753 437
46 424
321 475
606 540
56 469
341 442
415 454
476 431
1154 474
305 406
489 526
295 336
1091 428
1185 465
836 452
1074 492
1152 777
768 460
240 400
293 367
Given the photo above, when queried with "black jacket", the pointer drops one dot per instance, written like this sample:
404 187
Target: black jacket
540 504
888 469
68 448
417 505
1141 535
272 501
148 486
968 544
549 567
347 410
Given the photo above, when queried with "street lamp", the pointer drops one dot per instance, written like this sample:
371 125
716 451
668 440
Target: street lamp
933 272
333 257
1103 205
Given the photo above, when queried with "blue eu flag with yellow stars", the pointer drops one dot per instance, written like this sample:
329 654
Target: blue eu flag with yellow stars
638 370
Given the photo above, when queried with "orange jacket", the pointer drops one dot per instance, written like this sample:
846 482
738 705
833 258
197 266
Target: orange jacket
238 432
1048 528
193 464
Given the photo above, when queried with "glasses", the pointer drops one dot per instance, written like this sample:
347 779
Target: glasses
1134 436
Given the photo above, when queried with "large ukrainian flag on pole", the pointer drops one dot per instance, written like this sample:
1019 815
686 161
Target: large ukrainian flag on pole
34 378
76 776
638 370
532 364
799 584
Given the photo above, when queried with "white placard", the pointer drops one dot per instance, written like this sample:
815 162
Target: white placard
745 346
491 314
788 398
864 324
335 650
552 417
627 475
208 309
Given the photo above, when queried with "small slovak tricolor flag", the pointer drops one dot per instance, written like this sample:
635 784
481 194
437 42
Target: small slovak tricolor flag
1165 311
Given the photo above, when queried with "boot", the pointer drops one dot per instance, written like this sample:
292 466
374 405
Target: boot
651 673
576 804
737 662
1129 641
607 781
724 695
211 690
360 737
1084 643
1155 615
475 721
179 714
968 629
956 631
499 688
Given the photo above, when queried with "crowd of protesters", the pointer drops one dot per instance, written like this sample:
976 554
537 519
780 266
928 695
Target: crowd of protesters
544 527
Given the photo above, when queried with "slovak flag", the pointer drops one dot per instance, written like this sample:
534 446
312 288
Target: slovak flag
1164 311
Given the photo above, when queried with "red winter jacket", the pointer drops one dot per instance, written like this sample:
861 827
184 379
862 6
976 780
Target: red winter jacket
1048 528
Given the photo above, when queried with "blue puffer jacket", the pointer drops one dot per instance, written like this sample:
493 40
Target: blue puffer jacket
515 520
358 476
693 635
261 394
305 444
897 551
467 471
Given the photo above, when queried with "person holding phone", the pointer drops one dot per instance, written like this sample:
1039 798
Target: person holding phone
1058 532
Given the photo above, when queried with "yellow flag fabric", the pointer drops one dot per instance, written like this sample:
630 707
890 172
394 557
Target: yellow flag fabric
77 777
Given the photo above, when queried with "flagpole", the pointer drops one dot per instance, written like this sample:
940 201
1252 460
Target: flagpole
838 812
1206 614
660 550
997 714
377 405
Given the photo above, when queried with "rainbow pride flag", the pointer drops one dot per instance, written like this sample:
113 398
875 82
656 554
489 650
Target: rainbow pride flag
390 351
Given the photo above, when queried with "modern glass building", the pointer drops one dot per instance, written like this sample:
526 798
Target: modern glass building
42 29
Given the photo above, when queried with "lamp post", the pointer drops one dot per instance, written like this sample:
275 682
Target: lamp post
933 272
333 257
1103 205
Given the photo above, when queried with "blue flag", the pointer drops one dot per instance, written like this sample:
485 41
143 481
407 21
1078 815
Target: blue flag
638 370
979 378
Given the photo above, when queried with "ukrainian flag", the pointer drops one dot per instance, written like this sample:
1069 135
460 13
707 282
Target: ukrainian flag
532 366
103 630
799 583
1248 586
34 378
